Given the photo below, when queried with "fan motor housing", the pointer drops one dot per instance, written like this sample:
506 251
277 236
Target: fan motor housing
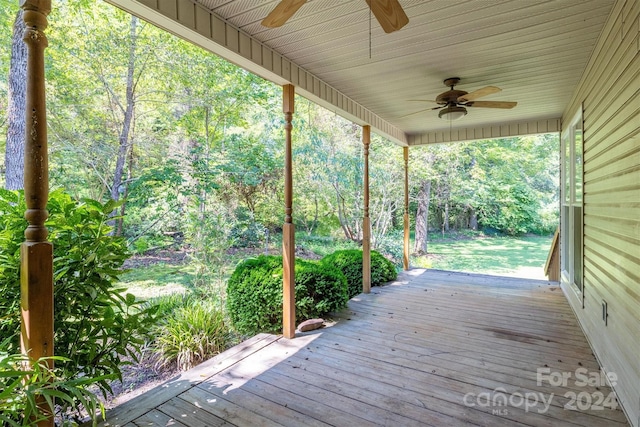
450 96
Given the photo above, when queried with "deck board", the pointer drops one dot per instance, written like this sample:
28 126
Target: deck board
156 418
408 354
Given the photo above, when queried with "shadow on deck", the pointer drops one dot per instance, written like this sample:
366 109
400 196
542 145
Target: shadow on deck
433 348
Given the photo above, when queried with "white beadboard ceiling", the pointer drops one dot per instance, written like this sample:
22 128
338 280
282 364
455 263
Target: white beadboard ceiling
535 50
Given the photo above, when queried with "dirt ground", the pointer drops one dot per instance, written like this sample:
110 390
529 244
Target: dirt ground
166 256
137 378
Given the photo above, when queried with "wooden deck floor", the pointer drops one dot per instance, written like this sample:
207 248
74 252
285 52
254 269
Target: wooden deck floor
434 348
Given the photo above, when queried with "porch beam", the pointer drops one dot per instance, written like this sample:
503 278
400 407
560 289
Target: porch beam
36 253
496 130
405 256
288 230
366 221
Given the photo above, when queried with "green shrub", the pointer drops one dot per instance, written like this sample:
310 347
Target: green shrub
382 270
254 293
349 262
319 290
192 332
96 326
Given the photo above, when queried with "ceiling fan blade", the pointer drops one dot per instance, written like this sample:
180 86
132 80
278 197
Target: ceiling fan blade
492 104
281 13
389 14
479 93
421 111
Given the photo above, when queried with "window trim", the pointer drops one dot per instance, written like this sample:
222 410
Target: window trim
567 208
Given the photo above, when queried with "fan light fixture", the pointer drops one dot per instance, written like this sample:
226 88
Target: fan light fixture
453 103
452 112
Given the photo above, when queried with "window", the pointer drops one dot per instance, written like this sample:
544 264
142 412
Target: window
571 226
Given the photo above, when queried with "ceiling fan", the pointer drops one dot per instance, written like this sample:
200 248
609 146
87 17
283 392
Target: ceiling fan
453 102
389 13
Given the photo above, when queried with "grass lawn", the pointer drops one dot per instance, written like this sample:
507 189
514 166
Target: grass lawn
508 256
158 279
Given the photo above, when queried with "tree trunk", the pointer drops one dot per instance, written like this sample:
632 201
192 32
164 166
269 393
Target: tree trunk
422 218
314 224
445 222
123 140
120 222
14 151
473 219
395 221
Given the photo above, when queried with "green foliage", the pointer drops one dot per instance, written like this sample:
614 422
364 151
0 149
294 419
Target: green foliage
392 245
509 184
512 211
246 232
319 290
349 262
323 245
96 326
254 293
382 270
190 330
12 226
21 388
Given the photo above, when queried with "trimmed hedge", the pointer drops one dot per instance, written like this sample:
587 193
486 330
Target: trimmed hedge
254 293
349 262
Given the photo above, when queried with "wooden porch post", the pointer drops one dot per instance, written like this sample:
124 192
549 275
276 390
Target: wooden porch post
366 221
405 257
36 253
288 231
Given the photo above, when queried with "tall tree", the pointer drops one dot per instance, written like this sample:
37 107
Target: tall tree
128 110
14 151
423 174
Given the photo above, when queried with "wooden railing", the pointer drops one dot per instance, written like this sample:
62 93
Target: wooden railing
552 267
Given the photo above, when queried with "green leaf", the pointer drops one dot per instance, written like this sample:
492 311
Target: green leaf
130 299
112 205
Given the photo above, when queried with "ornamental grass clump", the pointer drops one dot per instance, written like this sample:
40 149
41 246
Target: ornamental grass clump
193 331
